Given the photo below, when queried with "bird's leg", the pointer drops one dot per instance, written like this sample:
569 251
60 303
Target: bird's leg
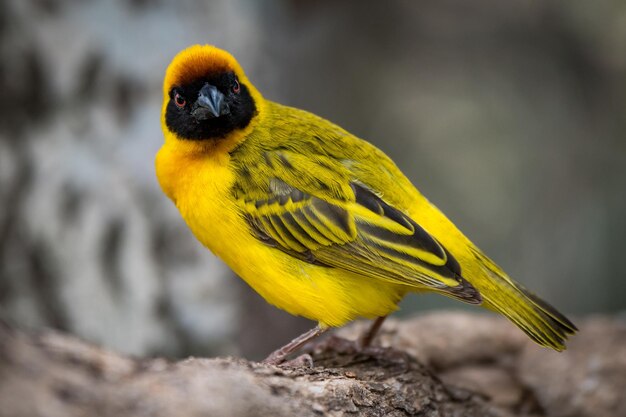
366 338
279 355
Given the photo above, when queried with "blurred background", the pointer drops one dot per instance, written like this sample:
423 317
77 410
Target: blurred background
510 116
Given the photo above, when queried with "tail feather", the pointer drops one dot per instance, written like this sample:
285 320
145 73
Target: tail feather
538 319
533 316
552 312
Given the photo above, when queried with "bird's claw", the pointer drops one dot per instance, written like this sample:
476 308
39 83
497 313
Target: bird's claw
302 361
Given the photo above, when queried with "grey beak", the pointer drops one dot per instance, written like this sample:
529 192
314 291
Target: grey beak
210 104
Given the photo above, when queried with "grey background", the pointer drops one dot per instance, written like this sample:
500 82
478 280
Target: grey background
510 116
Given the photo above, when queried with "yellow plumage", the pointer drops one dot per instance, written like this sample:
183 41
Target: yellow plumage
320 223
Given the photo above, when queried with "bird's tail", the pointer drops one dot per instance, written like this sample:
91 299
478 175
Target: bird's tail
538 319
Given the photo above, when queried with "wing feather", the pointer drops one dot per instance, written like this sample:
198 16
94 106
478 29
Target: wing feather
359 232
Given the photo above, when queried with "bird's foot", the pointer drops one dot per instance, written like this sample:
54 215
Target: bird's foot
278 356
303 361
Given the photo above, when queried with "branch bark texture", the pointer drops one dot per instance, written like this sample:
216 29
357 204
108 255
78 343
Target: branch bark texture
443 364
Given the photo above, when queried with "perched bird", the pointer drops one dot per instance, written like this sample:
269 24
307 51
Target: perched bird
320 223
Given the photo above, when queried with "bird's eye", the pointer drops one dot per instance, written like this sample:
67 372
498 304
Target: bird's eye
179 101
236 87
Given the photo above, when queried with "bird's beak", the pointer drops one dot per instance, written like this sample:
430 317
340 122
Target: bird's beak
210 104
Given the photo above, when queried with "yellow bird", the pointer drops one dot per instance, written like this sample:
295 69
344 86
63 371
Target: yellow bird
320 223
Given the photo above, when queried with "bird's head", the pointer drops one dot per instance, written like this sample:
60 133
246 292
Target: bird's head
207 96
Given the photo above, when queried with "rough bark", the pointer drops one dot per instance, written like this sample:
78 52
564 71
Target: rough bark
445 364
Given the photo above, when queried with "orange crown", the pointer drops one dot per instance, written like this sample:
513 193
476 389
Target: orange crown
199 61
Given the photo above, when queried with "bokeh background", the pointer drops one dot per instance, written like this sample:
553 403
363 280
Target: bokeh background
510 116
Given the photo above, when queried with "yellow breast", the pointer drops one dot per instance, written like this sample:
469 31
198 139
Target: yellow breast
199 184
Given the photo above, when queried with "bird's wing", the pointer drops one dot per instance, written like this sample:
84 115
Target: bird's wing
310 208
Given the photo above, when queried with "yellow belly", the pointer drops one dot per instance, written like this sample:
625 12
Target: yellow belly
200 188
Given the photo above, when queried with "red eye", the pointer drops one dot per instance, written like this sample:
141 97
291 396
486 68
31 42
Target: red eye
179 100
236 87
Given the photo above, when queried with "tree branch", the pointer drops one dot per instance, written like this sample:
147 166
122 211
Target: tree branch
444 364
